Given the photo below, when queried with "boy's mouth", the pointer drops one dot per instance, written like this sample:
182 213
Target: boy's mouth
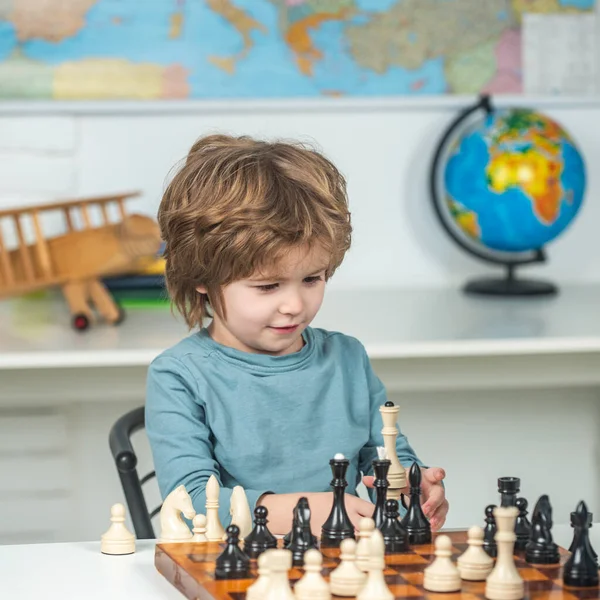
289 329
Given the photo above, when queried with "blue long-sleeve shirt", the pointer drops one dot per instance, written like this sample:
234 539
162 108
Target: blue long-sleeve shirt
267 423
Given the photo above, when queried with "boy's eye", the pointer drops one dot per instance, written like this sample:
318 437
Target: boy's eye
312 279
267 288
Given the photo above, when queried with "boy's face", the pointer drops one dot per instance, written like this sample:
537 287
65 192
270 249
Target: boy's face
267 315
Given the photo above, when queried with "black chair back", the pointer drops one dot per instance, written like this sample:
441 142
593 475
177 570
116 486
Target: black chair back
126 462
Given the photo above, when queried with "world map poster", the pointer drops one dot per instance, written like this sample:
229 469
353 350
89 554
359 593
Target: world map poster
228 49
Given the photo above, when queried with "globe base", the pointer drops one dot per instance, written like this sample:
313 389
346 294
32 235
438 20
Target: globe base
499 286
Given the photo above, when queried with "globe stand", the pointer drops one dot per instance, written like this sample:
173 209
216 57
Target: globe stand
509 286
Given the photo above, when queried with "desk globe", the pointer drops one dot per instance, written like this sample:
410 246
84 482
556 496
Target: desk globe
504 183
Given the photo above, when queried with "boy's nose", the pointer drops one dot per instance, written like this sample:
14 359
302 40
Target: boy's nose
292 305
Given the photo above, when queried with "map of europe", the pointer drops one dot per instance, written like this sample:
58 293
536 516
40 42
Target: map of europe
218 49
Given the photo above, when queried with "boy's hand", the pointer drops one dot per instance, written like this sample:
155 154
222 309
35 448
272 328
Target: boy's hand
433 496
281 508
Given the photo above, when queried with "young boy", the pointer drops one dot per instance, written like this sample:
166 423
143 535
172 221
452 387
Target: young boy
253 231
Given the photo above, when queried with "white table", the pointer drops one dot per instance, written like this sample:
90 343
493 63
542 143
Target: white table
65 571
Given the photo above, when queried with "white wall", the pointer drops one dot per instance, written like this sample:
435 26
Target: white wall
385 154
383 149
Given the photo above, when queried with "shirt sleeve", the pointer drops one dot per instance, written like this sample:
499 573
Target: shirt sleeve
378 397
180 438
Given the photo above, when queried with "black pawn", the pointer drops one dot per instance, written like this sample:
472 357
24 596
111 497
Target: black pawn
415 521
260 538
301 537
338 525
232 563
574 520
522 525
581 569
489 532
395 536
381 468
541 548
508 488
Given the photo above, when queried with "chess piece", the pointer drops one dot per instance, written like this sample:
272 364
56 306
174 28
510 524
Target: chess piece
522 526
375 587
260 538
395 536
590 521
397 474
239 509
232 563
366 527
541 548
381 467
508 488
581 569
199 529
338 525
214 528
489 531
442 575
280 562
474 564
117 539
301 538
347 579
258 589
504 582
415 521
172 527
312 585
301 506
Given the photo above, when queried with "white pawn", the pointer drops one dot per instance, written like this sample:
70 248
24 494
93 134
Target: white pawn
117 539
347 579
280 562
312 585
442 575
199 529
474 563
366 527
257 590
375 587
214 528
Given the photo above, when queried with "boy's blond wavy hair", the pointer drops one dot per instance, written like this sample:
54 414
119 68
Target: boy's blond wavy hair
237 206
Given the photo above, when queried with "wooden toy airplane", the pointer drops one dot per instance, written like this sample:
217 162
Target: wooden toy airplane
76 260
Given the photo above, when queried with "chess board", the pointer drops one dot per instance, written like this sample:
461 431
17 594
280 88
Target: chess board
190 568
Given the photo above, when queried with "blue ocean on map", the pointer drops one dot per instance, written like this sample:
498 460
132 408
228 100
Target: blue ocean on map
238 49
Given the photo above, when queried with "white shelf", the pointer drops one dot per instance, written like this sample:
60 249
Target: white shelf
282 105
392 324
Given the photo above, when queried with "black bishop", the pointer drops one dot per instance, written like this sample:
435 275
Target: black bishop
415 521
581 569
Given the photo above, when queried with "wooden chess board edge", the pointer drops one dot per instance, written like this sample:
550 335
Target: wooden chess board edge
184 567
174 573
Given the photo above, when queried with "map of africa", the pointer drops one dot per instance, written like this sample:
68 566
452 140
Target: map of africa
211 49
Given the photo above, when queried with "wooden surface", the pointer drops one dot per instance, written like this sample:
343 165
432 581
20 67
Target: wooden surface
190 568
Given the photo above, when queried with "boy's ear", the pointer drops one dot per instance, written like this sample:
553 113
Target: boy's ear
201 289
